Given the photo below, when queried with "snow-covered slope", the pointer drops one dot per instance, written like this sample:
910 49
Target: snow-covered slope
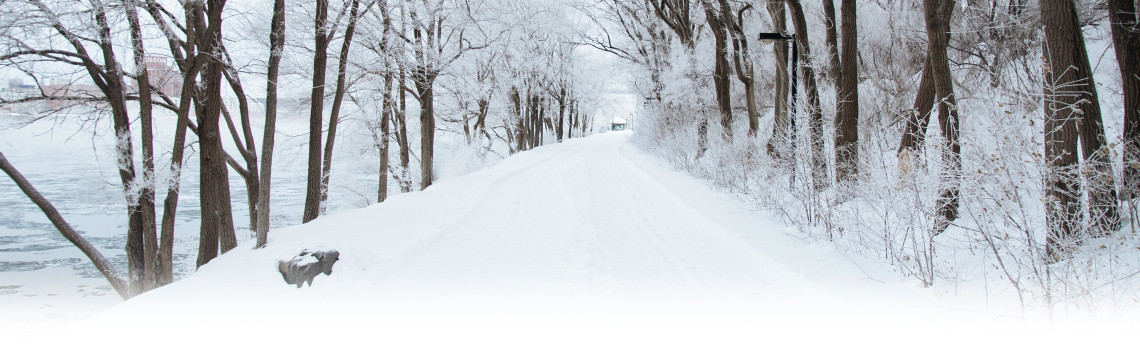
588 243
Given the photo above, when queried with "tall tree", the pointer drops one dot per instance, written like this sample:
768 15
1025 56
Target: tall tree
145 241
742 60
437 43
722 83
918 119
1126 39
276 46
847 99
807 73
781 126
938 12
217 228
834 69
388 105
188 63
1072 114
317 112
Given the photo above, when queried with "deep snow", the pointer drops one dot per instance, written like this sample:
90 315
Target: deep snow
588 243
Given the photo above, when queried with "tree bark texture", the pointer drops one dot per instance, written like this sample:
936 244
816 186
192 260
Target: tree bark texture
148 238
1101 181
276 47
1069 98
722 82
847 99
938 12
781 128
316 112
914 131
385 117
402 135
113 88
217 229
427 130
742 60
835 68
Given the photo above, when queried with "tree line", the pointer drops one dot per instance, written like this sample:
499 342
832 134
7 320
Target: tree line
1030 55
510 78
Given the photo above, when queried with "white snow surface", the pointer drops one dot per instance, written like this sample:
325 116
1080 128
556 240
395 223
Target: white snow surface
585 244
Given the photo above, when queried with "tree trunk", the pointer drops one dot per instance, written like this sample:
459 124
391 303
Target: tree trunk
276 46
316 112
243 140
101 263
914 132
815 124
561 113
1126 39
338 99
722 83
427 127
192 65
835 68
1101 182
847 99
1066 97
781 128
742 60
385 116
938 14
402 136
217 217
148 238
114 90
170 204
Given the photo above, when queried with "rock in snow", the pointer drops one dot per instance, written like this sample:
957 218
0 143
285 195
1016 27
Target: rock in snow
307 265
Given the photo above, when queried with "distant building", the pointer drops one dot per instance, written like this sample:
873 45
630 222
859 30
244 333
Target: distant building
163 77
618 124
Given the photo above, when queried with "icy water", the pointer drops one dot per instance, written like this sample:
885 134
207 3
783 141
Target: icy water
43 277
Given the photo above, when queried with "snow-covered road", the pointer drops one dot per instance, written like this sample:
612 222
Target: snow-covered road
590 237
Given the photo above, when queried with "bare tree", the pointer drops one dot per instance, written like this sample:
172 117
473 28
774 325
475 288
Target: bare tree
834 68
276 46
718 18
742 60
217 229
1072 113
316 112
781 126
938 12
436 43
145 241
914 131
847 99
